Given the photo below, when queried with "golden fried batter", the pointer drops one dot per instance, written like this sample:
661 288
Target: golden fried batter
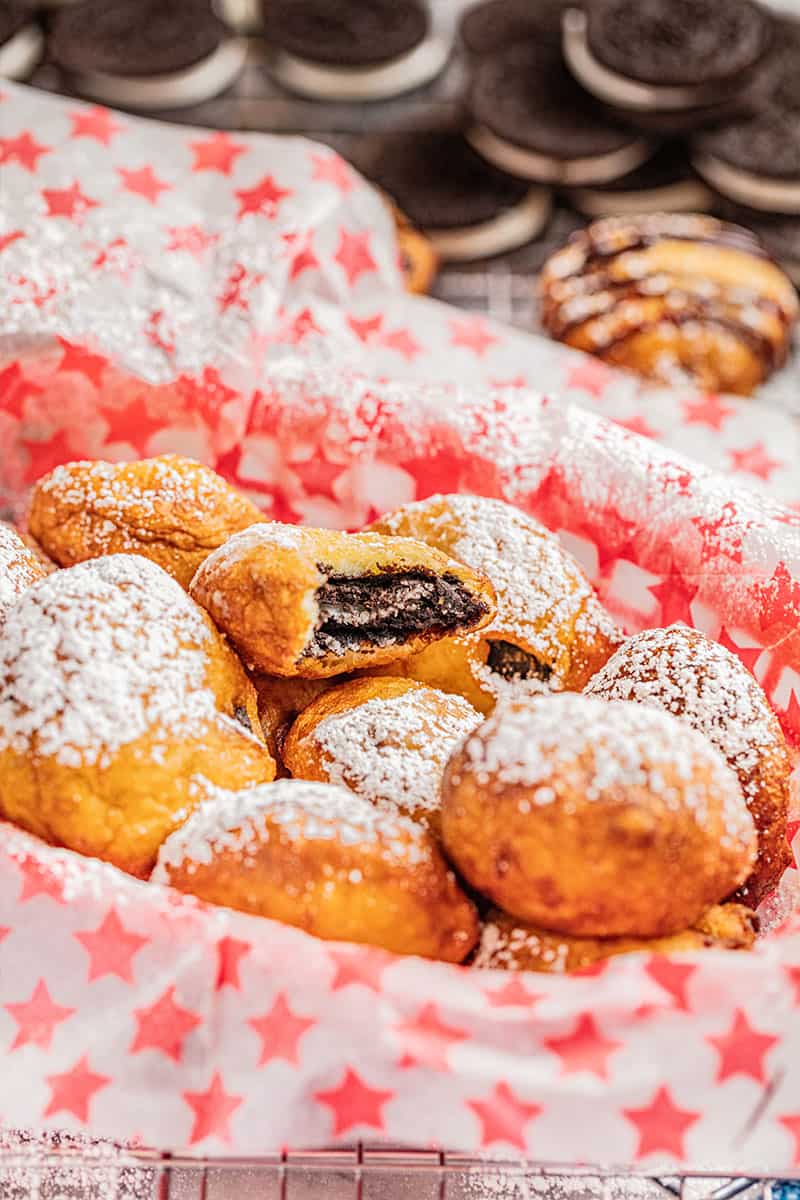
19 568
322 858
169 509
316 603
280 700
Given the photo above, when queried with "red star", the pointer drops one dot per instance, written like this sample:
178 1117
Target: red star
791 1122
280 1031
302 251
37 1018
72 1090
672 977
138 424
15 389
331 168
503 1117
230 953
191 238
708 410
742 1050
354 256
68 202
218 152
111 948
212 1111
755 461
472 334
40 881
592 375
511 995
585 1049
427 1040
779 597
661 1125
78 359
7 238
354 1103
264 199
24 150
403 342
366 329
748 655
292 328
638 425
164 1026
675 596
143 182
358 966
207 396
96 123
237 289
44 456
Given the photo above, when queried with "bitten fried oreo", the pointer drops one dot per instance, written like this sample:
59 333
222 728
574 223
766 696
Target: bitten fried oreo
170 509
595 818
508 944
326 860
21 39
19 568
316 602
549 632
466 208
349 50
665 183
678 299
687 674
530 118
146 53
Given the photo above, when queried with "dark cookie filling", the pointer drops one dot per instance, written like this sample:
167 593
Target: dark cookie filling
512 662
373 611
240 715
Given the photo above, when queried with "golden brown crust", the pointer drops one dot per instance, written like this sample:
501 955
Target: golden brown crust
170 509
280 700
386 739
317 603
685 673
47 564
508 944
326 860
595 818
546 607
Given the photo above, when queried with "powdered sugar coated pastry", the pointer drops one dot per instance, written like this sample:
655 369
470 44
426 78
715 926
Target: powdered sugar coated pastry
322 858
685 673
596 818
19 568
116 689
550 631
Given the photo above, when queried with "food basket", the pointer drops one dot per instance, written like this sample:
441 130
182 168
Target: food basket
253 315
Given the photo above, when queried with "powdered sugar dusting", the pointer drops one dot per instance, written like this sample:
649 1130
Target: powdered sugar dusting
394 750
503 948
94 657
263 536
18 568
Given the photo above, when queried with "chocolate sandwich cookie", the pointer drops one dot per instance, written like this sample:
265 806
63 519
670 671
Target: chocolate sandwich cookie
665 183
672 63
350 49
243 16
146 53
465 207
21 40
531 119
779 234
497 24
681 299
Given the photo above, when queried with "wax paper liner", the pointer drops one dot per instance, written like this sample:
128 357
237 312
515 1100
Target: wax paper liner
239 299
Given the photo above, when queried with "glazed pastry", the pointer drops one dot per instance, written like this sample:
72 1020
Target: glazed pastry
280 700
321 858
316 602
687 674
595 818
510 945
170 509
550 631
678 299
117 694
387 739
19 568
419 261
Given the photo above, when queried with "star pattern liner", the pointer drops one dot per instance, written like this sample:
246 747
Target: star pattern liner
238 298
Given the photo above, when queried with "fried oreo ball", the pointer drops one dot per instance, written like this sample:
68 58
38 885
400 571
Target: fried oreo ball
19 568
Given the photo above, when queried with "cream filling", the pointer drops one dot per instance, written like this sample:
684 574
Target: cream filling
21 53
412 70
686 195
617 89
191 86
511 229
768 195
544 168
242 15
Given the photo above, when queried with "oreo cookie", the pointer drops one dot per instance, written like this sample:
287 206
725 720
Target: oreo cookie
21 40
678 63
146 53
531 119
665 183
497 24
779 234
350 49
466 208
